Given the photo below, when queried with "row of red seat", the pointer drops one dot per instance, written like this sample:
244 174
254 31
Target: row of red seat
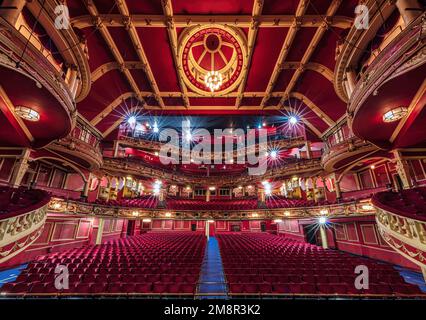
260 263
192 204
148 202
152 263
409 203
16 201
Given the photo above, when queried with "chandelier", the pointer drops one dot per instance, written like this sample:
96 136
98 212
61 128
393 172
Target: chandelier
213 80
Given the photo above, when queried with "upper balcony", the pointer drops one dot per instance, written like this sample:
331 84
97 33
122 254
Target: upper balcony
342 147
83 144
22 217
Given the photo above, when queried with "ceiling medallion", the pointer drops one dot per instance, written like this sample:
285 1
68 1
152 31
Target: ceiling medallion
213 58
395 114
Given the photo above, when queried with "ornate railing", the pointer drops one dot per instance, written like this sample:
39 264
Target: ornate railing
405 235
406 52
118 166
356 208
34 65
345 149
19 230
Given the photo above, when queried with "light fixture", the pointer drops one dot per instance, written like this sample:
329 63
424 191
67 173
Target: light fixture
274 154
278 220
265 182
372 167
287 213
27 113
56 206
131 121
212 188
155 127
135 213
210 221
395 114
254 215
168 214
156 153
213 80
293 120
146 220
240 187
322 220
367 207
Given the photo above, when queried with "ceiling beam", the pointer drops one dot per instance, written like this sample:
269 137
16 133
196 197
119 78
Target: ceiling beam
114 65
314 66
130 27
311 48
113 48
11 108
252 34
109 108
173 39
288 42
321 114
182 21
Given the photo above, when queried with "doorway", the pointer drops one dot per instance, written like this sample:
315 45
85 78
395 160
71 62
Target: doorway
310 232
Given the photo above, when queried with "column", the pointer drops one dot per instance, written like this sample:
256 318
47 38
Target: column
12 15
308 150
116 145
207 230
407 9
337 188
86 188
314 189
324 240
208 195
351 80
403 169
21 166
424 273
100 231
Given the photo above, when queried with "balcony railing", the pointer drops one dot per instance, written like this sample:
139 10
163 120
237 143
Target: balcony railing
19 229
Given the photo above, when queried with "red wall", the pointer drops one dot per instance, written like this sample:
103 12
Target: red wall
363 238
291 229
63 232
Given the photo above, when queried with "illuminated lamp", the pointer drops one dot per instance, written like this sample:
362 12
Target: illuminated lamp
168 214
264 124
240 187
27 113
210 221
265 182
254 215
56 206
287 213
155 128
156 153
322 220
324 211
293 120
188 188
146 220
367 207
372 167
274 154
212 188
395 114
213 80
278 220
135 213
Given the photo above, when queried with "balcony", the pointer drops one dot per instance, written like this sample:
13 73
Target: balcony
22 217
83 144
401 219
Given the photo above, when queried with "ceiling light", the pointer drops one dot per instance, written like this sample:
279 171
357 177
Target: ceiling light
155 128
274 154
213 80
322 220
395 114
292 120
27 113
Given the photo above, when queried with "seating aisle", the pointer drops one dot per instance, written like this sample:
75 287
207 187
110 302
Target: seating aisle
212 279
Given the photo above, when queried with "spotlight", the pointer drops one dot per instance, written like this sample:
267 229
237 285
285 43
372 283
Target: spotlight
131 121
274 154
292 120
155 128
259 126
264 124
322 220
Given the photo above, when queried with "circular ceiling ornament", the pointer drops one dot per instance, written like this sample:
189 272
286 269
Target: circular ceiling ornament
213 48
